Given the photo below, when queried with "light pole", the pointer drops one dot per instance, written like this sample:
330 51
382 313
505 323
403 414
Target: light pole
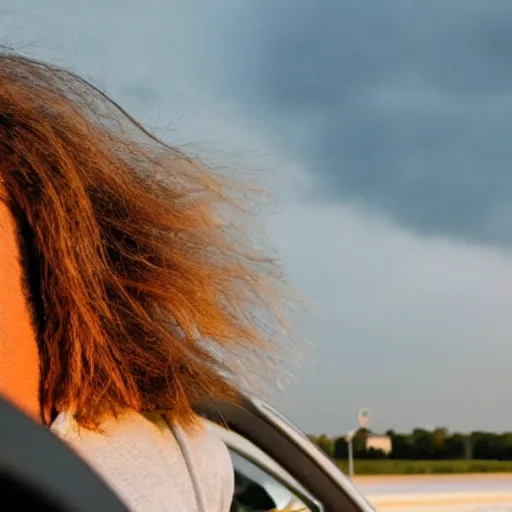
349 438
363 419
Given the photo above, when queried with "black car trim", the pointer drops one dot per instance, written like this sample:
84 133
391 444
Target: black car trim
246 419
38 468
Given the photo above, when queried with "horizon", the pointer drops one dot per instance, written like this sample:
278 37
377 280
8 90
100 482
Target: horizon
429 429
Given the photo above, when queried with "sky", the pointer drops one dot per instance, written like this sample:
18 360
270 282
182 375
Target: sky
385 129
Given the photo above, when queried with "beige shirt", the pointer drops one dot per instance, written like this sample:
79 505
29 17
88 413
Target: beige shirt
143 463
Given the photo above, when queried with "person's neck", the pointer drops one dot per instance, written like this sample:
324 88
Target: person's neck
19 356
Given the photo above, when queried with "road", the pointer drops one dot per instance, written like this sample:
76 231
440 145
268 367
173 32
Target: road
453 493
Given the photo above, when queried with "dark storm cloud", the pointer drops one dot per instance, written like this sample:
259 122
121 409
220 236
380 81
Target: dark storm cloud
405 105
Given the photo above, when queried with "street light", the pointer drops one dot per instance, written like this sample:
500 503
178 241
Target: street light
363 419
349 438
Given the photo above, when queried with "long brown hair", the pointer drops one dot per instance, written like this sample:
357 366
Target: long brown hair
148 289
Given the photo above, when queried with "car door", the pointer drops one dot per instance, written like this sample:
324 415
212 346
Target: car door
260 483
279 463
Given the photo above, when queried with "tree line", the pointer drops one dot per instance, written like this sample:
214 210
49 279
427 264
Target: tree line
422 444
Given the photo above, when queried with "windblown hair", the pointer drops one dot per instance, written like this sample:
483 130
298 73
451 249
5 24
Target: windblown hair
149 292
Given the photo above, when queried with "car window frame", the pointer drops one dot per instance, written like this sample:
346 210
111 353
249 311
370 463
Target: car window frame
293 452
262 461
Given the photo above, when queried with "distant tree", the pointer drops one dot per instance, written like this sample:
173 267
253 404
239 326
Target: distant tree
326 444
359 443
486 446
373 453
421 439
455 446
438 443
403 447
506 443
424 444
340 448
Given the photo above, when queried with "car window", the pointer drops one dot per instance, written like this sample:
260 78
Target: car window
293 432
257 490
261 484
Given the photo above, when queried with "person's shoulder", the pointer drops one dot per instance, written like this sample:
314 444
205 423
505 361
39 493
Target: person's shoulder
130 435
143 459
140 428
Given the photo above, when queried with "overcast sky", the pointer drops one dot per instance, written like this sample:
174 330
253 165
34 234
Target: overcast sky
387 127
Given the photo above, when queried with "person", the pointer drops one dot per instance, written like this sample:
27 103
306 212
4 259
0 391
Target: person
131 289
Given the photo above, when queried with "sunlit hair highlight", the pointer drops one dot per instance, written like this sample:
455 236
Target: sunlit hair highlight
149 288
